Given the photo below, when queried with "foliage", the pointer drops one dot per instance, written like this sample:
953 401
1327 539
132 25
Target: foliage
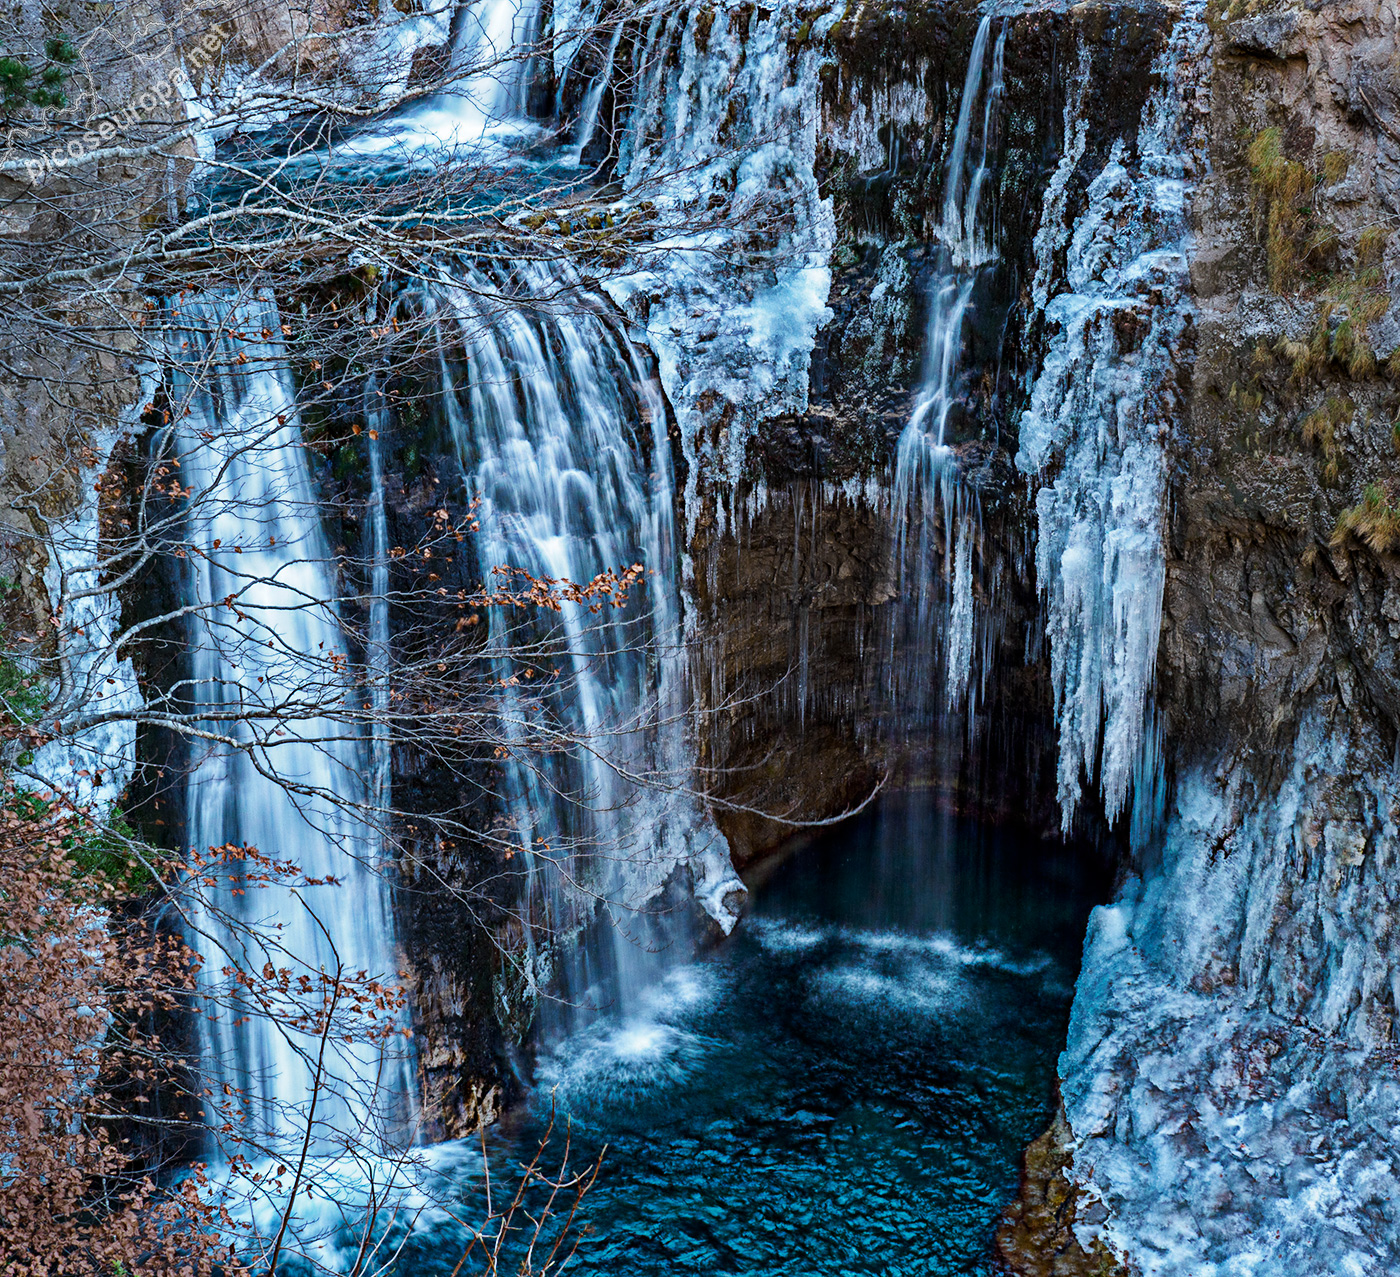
1283 191
106 853
1285 216
77 987
22 85
1320 431
22 695
1359 300
22 692
1375 522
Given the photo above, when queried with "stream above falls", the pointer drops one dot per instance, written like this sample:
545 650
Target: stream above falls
846 1084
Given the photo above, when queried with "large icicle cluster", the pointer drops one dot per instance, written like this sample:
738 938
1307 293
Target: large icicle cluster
732 306
93 765
1098 427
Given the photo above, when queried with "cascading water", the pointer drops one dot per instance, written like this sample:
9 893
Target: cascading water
266 662
562 434
486 45
927 485
492 45
593 101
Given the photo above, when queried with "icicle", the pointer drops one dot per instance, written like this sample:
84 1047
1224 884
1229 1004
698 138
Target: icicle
960 623
1102 416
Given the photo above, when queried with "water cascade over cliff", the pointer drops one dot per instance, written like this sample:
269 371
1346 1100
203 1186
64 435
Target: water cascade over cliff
926 484
561 431
266 639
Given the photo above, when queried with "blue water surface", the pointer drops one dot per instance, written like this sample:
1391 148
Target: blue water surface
847 1084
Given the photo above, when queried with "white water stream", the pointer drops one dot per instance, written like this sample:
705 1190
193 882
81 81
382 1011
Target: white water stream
562 434
266 656
928 489
561 430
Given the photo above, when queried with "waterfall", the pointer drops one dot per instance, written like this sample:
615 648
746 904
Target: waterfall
484 100
265 637
562 435
593 100
927 484
486 44
381 761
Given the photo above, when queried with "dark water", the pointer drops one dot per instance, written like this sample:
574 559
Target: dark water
847 1084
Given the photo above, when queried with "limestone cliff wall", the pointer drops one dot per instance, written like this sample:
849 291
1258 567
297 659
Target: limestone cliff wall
797 578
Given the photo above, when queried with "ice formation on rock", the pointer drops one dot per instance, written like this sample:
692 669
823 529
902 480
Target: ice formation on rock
1228 1076
96 684
1097 433
723 143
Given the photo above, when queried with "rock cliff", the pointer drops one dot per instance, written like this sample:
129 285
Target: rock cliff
1230 1077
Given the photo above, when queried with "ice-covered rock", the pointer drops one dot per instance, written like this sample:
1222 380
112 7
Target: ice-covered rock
95 690
722 141
1233 1101
1097 433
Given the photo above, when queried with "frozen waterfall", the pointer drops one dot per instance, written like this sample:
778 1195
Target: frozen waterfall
1100 420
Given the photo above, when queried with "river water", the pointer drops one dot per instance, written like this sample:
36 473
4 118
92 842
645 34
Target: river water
845 1085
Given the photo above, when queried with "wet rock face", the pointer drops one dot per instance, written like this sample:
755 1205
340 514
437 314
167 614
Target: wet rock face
456 897
1036 1237
797 577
